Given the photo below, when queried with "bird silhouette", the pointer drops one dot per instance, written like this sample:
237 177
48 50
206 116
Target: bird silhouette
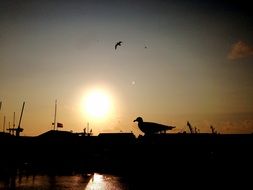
150 128
117 44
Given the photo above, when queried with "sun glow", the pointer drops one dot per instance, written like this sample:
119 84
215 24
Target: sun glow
97 104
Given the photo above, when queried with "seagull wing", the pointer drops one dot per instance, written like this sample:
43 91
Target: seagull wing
156 127
117 44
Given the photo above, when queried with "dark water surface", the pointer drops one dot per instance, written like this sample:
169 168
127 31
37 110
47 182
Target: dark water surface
78 182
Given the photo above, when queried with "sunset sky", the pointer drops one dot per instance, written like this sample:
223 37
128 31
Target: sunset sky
179 61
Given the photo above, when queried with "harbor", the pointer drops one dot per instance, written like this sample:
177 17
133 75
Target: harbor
67 153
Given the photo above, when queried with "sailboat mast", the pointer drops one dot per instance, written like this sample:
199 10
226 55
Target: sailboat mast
4 117
9 124
19 123
4 125
55 111
13 123
19 129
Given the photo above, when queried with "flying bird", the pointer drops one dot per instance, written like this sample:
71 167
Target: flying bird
150 128
117 44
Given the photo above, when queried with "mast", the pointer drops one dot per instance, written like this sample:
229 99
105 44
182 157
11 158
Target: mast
19 129
4 125
9 125
4 117
55 111
13 122
88 128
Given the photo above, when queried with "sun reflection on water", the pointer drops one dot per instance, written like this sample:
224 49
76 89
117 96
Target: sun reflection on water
104 182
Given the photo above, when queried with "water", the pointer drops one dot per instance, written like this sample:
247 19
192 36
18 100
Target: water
98 181
76 182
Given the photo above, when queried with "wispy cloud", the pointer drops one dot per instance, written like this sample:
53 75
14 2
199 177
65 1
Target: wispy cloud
240 50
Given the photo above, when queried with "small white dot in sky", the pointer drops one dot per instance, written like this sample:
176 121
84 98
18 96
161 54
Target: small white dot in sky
133 82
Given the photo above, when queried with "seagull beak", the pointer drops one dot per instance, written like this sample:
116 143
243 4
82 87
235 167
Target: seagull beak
135 120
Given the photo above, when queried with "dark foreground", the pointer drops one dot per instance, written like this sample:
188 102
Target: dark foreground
171 159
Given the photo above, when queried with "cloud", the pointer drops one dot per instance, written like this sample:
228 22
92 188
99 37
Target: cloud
240 50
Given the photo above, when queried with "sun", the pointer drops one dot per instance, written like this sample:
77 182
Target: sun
97 104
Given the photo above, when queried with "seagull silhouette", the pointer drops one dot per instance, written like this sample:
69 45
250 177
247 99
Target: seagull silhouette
117 44
150 128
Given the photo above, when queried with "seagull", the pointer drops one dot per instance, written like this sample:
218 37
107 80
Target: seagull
150 128
117 44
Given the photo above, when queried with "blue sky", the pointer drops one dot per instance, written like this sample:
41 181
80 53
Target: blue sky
197 65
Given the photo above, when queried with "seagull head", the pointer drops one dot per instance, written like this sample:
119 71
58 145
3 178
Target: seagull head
139 120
